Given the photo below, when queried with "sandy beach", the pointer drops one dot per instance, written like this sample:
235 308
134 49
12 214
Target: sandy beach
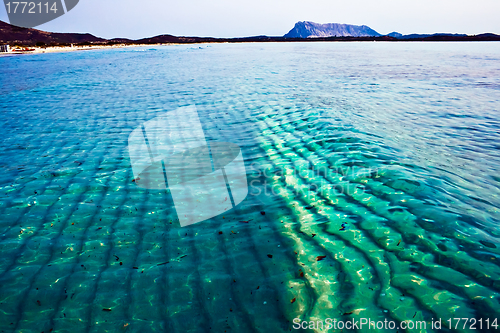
52 49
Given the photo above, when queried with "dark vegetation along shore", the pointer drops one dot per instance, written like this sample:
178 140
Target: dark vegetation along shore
17 36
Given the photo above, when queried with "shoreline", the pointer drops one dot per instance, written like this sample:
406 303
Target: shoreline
60 49
73 48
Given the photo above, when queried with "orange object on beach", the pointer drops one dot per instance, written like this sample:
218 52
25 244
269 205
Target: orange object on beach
25 49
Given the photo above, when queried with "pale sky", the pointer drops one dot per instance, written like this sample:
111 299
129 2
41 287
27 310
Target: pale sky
234 18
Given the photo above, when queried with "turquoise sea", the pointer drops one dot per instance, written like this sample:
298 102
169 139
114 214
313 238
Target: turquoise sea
374 189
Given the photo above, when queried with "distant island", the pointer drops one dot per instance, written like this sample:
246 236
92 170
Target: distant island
302 31
307 29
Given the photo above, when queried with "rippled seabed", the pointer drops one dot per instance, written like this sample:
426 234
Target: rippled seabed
384 158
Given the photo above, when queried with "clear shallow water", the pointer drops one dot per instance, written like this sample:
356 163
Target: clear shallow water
384 158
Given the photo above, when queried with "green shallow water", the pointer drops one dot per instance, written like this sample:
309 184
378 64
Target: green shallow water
379 159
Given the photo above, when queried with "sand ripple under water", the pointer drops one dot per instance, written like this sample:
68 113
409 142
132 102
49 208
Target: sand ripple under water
373 173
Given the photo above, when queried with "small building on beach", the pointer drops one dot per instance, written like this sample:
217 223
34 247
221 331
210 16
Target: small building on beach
4 48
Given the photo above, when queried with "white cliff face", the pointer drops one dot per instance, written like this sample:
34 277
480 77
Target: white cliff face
306 29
